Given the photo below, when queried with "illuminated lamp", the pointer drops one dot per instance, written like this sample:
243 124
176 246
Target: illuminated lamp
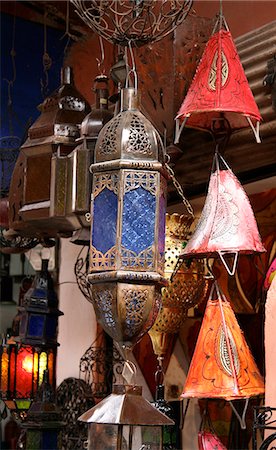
125 420
21 373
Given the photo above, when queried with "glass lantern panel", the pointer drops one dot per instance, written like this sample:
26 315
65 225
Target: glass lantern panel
162 226
35 374
36 325
42 366
103 437
51 327
138 220
24 372
49 440
105 220
33 440
151 437
4 371
51 367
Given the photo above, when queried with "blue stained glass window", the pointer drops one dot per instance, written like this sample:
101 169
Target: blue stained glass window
51 327
49 440
162 225
138 220
105 221
36 325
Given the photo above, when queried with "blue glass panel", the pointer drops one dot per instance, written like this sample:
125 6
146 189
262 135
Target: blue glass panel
138 220
162 225
36 325
51 327
49 440
105 221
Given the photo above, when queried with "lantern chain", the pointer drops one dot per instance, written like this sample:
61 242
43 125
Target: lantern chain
178 187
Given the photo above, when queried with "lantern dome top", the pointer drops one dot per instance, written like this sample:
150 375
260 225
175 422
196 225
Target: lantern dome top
129 135
125 406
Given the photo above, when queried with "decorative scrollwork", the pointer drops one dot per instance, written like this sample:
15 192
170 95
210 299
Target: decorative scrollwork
102 181
108 144
81 270
146 180
264 418
138 141
141 22
16 244
135 301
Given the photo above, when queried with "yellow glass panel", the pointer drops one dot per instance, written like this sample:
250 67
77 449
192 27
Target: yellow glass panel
35 373
42 366
4 370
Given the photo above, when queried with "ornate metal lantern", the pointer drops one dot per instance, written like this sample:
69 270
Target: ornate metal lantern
140 22
39 313
186 287
21 373
43 424
125 420
128 224
37 197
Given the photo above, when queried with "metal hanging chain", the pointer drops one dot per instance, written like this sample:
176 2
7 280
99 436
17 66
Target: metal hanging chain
178 187
131 70
67 29
47 62
100 62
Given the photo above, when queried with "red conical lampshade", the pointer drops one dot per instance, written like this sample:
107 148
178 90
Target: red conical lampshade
227 224
219 86
222 365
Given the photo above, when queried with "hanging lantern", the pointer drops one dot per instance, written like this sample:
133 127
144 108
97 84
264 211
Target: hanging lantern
227 225
79 160
125 419
37 196
39 313
21 373
43 422
219 89
128 224
222 365
140 22
185 289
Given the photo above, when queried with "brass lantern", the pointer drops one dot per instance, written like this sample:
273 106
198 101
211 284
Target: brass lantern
125 420
128 223
185 289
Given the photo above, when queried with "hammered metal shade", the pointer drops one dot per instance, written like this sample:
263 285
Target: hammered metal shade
222 365
227 224
128 207
219 89
185 289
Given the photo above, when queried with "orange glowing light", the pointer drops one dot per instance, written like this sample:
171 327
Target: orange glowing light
27 363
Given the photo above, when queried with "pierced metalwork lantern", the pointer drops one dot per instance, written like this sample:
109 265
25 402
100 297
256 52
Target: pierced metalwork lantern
125 420
128 224
140 22
39 312
186 287
21 373
43 423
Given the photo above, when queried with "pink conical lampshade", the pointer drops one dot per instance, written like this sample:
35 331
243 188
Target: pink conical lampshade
219 87
227 224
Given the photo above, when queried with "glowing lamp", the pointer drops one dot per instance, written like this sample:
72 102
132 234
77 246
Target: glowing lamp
125 420
21 373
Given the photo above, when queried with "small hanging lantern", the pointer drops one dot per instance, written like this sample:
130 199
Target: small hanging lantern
21 373
39 313
123 420
79 160
227 225
185 288
37 196
128 223
43 423
219 89
222 365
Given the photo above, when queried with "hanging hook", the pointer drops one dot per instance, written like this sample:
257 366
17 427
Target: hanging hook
100 62
67 29
133 67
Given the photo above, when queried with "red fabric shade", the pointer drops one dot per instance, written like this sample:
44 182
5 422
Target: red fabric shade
222 365
219 86
227 224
